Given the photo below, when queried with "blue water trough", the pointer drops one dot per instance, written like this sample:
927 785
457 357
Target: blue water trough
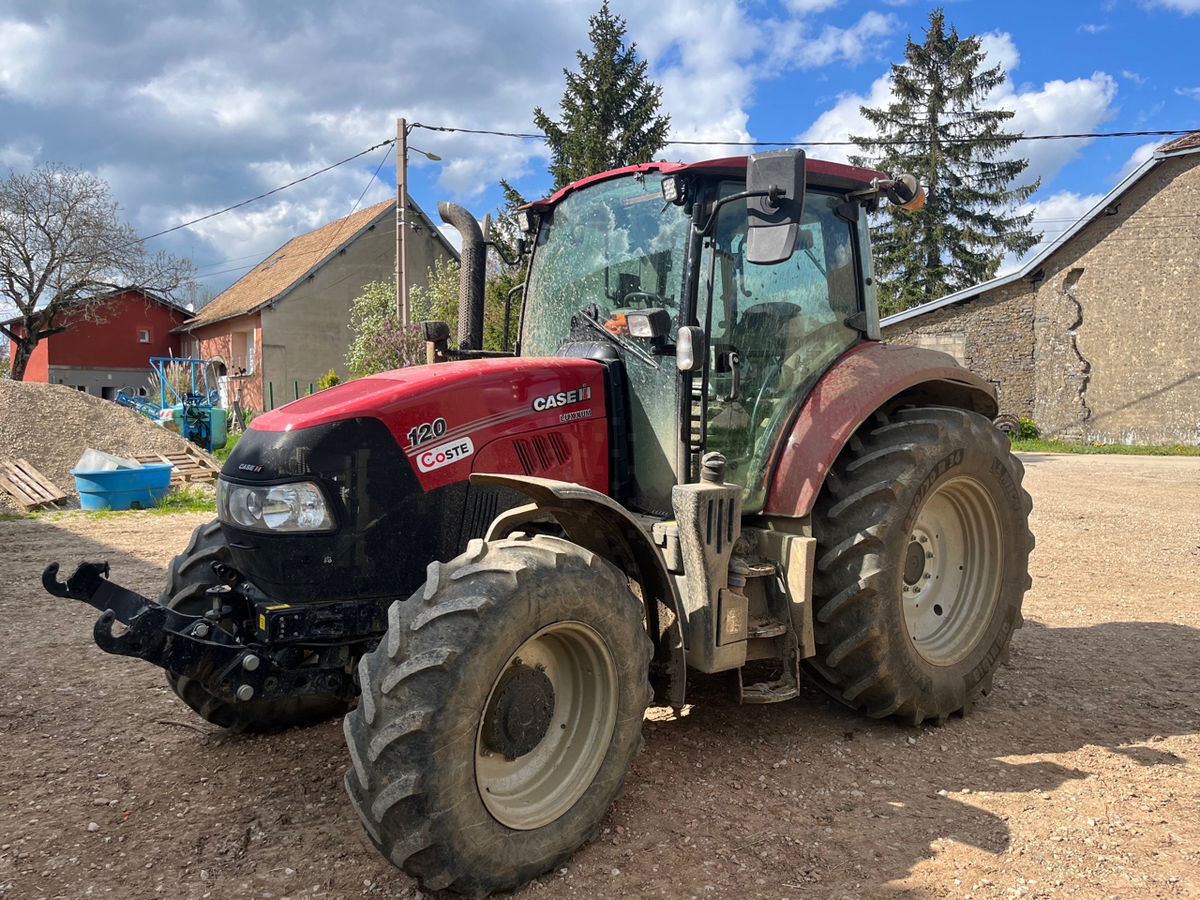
123 488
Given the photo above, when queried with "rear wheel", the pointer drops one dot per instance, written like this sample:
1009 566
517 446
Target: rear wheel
188 580
922 564
500 714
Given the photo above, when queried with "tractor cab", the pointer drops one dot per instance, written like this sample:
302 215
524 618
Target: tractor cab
722 290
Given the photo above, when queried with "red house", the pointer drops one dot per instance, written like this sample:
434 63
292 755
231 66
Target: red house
102 357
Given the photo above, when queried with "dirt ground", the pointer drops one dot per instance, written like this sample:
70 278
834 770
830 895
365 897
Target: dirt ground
1078 777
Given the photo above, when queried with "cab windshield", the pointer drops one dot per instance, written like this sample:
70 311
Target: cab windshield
609 248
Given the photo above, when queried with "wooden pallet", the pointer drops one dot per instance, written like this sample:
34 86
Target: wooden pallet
192 465
27 485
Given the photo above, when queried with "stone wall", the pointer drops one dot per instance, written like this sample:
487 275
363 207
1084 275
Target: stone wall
1102 341
991 335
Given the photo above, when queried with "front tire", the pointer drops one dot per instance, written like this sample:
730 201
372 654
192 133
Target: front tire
922 564
189 577
500 714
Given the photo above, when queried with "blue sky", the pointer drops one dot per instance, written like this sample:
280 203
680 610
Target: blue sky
188 108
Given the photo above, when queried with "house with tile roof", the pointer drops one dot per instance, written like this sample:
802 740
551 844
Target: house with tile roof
280 327
106 343
1096 337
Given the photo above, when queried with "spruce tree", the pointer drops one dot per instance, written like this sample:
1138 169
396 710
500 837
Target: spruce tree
609 108
937 129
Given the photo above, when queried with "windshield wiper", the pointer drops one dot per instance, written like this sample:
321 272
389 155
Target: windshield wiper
590 314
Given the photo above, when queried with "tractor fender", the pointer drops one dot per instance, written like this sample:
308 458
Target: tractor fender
867 378
598 523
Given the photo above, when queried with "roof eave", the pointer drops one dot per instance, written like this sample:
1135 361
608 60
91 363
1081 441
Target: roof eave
1035 262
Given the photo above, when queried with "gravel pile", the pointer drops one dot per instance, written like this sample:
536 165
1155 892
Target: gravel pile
50 425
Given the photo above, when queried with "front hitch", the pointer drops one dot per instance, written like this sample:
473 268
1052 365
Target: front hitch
188 646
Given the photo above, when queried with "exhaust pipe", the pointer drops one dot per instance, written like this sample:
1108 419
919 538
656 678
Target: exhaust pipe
474 259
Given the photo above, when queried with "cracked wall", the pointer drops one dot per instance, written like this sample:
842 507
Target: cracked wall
1102 343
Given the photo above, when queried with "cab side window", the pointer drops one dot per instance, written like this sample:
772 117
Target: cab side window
773 331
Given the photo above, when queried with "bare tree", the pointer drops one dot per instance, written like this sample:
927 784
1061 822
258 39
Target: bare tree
63 251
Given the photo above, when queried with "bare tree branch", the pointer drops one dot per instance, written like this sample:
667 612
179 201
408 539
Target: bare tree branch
64 251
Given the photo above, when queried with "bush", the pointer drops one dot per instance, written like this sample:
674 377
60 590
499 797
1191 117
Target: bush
328 380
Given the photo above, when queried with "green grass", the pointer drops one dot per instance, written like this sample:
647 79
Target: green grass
191 498
230 443
1044 445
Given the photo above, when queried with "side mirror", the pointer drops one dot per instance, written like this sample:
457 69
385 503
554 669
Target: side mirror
774 205
904 191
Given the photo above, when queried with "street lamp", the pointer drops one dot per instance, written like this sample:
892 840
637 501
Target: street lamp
402 149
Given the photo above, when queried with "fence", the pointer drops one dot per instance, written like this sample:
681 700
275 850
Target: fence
287 394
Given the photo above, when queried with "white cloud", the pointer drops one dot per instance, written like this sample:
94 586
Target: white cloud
843 120
19 156
23 50
1137 158
1187 7
201 95
1078 106
804 7
789 44
702 49
1052 216
188 108
999 47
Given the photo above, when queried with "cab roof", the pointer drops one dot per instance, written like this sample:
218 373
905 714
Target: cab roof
818 171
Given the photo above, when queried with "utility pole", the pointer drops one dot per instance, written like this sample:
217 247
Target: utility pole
402 220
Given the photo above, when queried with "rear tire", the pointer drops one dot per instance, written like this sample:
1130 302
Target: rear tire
500 714
922 564
188 579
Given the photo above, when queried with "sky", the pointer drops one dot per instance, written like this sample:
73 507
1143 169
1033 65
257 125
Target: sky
186 109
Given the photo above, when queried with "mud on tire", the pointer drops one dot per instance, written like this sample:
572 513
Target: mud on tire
189 576
500 714
922 564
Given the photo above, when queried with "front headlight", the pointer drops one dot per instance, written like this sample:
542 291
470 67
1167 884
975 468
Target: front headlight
278 507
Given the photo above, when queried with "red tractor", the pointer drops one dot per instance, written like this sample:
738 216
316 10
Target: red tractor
700 456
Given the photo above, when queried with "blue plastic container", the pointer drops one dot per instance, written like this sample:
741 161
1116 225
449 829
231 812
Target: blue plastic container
123 488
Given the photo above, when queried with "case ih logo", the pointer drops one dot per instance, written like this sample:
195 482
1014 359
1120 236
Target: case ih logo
581 394
444 454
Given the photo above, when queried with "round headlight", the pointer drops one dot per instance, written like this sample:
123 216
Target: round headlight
279 507
245 507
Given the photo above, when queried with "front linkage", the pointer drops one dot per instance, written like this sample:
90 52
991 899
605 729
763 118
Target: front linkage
275 652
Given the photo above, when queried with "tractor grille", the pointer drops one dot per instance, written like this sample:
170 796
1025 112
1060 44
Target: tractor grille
541 452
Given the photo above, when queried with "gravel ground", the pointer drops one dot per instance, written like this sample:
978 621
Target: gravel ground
1079 776
50 425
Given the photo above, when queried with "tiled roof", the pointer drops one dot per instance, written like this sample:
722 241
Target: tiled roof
117 292
276 274
1187 142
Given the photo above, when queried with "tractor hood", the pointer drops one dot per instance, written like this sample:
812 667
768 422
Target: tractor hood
452 419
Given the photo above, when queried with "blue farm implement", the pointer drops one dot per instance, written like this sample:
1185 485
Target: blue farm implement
186 404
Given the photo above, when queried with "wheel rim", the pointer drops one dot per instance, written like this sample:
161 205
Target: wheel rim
547 725
952 571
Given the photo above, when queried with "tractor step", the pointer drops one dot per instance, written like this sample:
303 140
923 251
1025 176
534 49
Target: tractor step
766 628
769 692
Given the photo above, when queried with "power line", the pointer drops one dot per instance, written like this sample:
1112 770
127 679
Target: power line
710 143
541 137
282 187
846 143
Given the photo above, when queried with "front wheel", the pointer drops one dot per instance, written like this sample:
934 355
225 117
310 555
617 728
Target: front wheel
500 714
922 564
189 577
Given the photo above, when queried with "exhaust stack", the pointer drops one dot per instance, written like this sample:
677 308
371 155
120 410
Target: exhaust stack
474 259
